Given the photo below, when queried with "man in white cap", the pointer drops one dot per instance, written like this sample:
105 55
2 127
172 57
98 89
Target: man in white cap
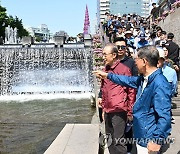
130 39
168 72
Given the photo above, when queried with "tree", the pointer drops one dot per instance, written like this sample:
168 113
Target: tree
3 21
6 20
16 22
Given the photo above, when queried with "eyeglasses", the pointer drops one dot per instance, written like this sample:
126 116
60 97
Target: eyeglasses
122 47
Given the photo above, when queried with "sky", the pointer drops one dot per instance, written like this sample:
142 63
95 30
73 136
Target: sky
66 15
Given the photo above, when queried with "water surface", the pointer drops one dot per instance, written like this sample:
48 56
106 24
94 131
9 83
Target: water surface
30 126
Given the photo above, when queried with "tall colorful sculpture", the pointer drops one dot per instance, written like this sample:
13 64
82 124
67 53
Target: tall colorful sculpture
86 22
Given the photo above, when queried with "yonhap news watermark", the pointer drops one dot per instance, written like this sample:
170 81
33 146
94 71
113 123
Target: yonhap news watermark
106 140
144 140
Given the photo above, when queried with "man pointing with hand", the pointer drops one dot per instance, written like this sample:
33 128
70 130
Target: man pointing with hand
151 112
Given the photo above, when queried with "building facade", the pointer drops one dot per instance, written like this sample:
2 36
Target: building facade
146 7
102 8
120 7
42 33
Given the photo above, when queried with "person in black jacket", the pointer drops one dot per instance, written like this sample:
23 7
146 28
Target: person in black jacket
154 12
173 52
129 62
121 44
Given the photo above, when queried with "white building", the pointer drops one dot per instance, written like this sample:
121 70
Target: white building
120 7
94 26
145 8
42 32
102 8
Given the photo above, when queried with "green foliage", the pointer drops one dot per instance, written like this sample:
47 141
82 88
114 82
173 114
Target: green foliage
38 38
6 20
3 21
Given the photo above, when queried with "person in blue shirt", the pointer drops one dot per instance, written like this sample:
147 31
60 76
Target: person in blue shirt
142 42
168 72
152 109
129 38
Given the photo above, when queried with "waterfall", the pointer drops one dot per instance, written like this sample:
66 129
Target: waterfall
45 70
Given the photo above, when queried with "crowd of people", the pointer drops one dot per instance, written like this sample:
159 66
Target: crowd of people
138 33
138 81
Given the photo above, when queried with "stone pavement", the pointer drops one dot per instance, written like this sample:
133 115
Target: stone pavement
175 147
171 24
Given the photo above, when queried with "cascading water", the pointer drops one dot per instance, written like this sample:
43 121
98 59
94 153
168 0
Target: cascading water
45 70
42 89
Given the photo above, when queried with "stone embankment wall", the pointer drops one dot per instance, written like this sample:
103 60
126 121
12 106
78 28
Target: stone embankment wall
172 24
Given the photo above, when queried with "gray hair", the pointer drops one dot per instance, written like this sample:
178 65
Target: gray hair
114 48
150 53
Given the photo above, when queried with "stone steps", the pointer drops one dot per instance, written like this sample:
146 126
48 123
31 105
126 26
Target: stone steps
176 99
176 112
176 103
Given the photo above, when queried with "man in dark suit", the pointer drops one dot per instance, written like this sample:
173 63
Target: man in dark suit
173 52
154 12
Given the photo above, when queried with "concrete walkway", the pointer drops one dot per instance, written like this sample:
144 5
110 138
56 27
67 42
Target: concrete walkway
76 139
175 134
